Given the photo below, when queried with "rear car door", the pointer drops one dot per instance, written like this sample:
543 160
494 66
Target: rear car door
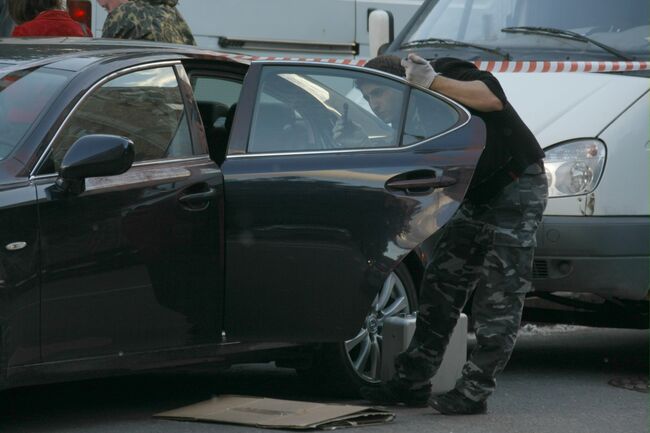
133 264
315 223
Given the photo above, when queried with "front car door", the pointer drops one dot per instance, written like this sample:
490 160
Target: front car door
133 264
25 95
315 223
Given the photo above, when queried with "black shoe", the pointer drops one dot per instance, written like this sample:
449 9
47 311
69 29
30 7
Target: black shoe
455 403
389 394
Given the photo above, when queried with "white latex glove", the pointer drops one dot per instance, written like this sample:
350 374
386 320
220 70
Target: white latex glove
348 134
419 71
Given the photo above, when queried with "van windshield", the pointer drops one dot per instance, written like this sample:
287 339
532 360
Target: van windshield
539 29
24 96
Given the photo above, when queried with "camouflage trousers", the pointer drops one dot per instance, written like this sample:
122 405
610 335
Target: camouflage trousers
487 250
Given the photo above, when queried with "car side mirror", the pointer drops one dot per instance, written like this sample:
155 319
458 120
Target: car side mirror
94 156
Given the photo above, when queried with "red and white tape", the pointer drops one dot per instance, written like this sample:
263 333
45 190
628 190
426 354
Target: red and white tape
491 66
248 59
534 66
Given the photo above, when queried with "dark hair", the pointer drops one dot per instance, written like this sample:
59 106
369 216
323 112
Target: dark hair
384 63
26 10
387 63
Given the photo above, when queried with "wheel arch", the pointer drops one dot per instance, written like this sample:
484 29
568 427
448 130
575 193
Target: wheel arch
418 259
415 265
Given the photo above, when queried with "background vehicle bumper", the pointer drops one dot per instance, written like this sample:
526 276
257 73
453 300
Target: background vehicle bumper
609 256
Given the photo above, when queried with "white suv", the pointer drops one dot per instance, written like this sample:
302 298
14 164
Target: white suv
577 71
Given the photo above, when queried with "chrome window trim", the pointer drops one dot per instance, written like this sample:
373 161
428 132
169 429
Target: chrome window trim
388 75
99 83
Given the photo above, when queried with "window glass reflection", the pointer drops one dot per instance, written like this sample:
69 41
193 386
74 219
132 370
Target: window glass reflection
427 116
144 106
24 96
309 109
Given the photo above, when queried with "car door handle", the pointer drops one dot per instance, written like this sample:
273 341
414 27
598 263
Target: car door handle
420 185
198 200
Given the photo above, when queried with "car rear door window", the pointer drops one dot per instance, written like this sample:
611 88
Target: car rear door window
310 109
145 106
427 116
302 109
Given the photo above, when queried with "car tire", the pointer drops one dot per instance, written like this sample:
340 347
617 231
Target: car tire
343 368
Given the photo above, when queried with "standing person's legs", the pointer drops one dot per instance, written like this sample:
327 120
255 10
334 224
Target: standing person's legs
448 281
511 219
496 314
499 298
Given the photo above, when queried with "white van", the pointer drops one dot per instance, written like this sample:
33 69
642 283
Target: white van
577 71
323 28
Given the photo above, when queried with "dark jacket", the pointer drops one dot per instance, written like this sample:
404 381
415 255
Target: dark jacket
510 146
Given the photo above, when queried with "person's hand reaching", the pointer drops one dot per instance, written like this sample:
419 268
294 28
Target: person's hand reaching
419 71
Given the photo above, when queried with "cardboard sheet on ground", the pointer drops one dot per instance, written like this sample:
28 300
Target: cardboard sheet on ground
279 414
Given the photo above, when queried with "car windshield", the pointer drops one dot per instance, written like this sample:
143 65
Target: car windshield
24 95
615 28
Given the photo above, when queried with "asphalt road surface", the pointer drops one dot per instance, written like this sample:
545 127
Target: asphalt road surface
557 381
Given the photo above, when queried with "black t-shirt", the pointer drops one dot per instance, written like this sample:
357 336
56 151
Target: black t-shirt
510 146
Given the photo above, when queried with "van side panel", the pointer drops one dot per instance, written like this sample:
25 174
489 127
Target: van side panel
301 28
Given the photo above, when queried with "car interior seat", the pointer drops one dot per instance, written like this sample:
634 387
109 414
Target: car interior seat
213 116
221 135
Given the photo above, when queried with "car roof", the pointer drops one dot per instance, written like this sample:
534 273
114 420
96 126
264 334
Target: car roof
76 53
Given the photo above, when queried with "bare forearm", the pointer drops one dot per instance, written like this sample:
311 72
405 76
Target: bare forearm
472 94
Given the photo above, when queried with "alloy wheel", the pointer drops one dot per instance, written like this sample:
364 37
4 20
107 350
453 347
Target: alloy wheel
365 349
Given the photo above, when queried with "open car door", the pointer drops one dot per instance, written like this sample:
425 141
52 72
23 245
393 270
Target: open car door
316 221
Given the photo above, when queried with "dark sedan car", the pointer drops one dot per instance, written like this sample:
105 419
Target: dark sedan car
164 205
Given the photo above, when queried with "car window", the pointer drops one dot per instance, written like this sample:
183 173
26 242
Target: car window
315 109
427 116
24 95
216 99
144 106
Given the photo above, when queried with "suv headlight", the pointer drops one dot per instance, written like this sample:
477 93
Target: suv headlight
575 167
